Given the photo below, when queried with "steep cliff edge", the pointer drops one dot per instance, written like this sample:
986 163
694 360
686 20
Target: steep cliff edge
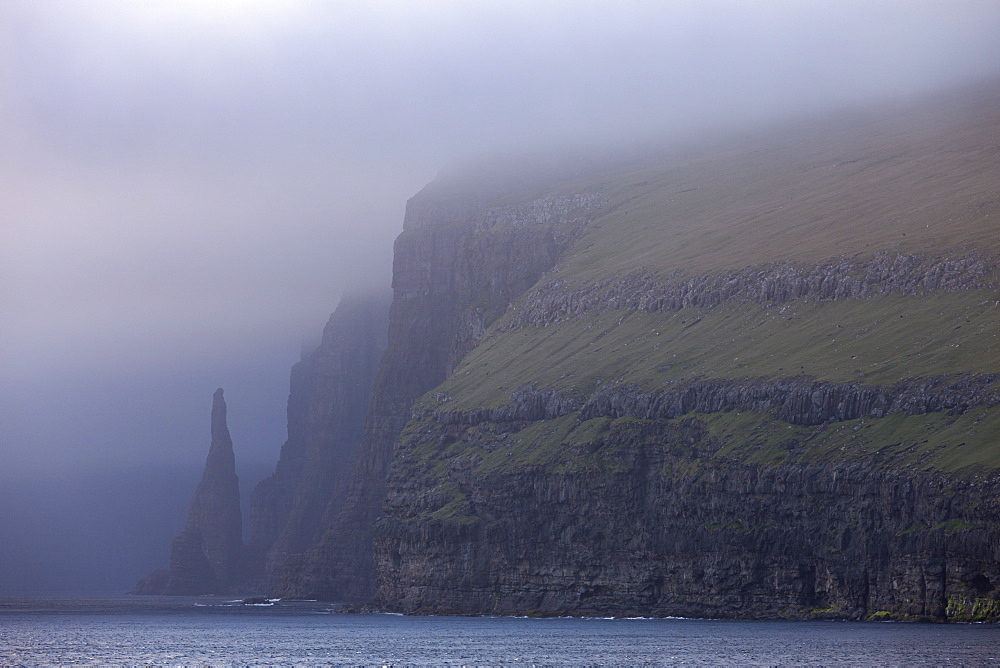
328 400
716 513
458 264
207 555
763 382
330 391
752 379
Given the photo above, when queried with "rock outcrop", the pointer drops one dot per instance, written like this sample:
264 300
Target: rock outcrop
655 518
208 555
331 388
776 283
798 401
330 392
710 497
656 438
458 264
755 495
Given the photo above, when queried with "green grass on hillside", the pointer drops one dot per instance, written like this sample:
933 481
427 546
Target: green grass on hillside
926 182
935 441
875 341
965 444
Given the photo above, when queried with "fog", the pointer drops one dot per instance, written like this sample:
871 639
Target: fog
189 186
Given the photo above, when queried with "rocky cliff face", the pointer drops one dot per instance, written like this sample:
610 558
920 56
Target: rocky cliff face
207 556
458 264
330 392
773 436
658 517
722 497
797 401
771 284
754 383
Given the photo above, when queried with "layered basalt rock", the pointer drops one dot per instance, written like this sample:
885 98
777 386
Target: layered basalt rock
776 283
761 496
630 502
330 391
208 555
641 486
331 388
800 401
651 518
458 264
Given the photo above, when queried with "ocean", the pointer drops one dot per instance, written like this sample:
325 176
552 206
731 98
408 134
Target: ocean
219 631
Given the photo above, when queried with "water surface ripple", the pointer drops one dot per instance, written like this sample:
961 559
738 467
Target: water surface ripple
217 631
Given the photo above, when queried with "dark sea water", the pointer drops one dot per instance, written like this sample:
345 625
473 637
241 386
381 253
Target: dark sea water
107 631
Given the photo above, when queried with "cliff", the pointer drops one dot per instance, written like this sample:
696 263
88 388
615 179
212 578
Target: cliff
757 378
451 280
328 400
207 555
757 382
541 509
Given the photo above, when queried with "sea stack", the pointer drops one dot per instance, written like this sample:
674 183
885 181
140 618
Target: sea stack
215 508
205 557
752 379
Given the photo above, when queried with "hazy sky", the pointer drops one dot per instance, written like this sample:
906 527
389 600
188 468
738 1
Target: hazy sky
188 185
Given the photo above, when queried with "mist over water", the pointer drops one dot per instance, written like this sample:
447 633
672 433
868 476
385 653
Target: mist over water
190 186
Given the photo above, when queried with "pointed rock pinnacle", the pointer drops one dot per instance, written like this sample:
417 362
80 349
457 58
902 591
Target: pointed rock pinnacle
221 461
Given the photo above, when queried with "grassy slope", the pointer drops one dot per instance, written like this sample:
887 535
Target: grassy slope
923 181
922 442
915 181
936 441
873 341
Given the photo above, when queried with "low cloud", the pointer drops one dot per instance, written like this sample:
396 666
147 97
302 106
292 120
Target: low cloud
189 186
